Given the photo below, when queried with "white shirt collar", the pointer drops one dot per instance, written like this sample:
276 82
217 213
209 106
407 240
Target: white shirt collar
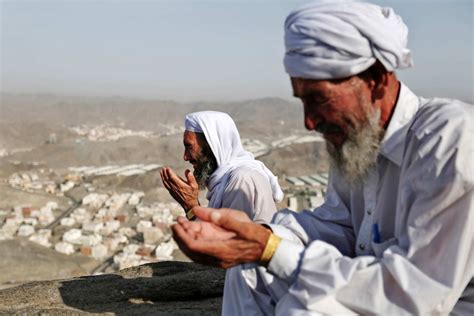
393 143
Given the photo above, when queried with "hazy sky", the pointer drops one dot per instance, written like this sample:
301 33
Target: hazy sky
201 50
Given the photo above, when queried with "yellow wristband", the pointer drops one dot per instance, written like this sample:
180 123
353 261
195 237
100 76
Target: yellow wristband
270 248
190 215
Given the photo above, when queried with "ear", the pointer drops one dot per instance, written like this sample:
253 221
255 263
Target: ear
382 81
377 79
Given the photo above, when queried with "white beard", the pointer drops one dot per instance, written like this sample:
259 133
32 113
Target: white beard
358 154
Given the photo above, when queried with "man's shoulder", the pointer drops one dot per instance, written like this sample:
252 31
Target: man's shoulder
439 139
246 173
439 116
251 178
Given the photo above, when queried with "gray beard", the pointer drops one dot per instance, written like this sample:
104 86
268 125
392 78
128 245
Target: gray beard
203 173
358 154
206 166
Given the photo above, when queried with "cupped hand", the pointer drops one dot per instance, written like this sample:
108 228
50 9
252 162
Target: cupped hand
221 237
204 230
185 192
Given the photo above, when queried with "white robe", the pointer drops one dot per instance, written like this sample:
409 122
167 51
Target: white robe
421 197
249 191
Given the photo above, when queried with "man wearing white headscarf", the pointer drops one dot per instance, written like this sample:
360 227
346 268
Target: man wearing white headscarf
232 175
395 235
234 178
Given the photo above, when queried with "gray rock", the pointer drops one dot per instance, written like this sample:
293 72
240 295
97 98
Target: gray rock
164 288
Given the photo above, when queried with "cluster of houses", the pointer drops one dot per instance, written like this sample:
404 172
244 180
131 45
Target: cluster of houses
40 181
122 227
108 226
306 191
111 133
296 139
26 221
116 226
124 170
107 133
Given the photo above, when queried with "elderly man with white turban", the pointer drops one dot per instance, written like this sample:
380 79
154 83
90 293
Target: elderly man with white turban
234 178
395 235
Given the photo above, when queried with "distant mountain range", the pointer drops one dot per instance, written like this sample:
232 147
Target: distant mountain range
28 121
267 115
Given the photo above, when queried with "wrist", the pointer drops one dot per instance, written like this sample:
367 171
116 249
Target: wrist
270 248
190 215
189 210
189 205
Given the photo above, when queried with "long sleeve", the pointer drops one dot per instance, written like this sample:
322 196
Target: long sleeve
331 222
427 265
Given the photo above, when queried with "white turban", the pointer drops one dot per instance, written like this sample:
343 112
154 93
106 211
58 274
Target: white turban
338 39
224 140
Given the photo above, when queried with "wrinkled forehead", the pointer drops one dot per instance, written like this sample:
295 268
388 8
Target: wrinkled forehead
192 138
302 87
189 137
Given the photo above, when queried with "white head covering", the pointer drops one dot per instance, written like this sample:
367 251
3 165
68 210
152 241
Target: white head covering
338 39
224 140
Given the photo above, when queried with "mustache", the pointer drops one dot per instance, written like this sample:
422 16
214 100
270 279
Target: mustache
328 128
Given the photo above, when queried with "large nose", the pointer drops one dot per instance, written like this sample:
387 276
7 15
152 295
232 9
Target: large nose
311 119
186 155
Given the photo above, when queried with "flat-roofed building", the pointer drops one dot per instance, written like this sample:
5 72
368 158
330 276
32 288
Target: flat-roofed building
320 179
309 181
294 181
293 203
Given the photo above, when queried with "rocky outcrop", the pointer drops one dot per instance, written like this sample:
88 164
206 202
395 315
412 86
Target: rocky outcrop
164 288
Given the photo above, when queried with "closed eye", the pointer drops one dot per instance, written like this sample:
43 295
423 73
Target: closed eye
314 100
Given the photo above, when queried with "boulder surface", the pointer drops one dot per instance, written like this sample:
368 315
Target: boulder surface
164 288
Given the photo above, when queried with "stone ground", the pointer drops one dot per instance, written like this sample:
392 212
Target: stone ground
164 288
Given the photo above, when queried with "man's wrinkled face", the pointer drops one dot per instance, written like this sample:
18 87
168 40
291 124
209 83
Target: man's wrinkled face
192 148
198 153
342 111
